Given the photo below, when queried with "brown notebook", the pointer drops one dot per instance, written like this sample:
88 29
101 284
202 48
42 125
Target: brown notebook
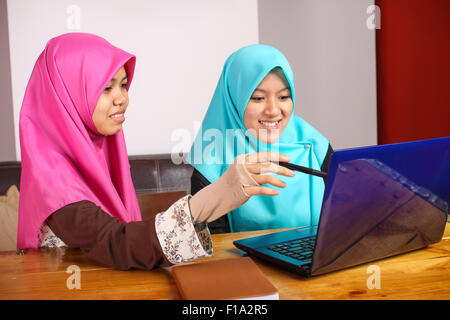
228 279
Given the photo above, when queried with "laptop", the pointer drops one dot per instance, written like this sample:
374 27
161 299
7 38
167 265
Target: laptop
379 201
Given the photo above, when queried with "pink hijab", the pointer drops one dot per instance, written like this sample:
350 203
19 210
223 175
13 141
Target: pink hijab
64 158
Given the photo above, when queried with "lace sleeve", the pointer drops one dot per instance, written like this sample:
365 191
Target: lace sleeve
180 240
47 239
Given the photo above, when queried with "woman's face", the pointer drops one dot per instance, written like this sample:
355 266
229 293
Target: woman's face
269 108
109 113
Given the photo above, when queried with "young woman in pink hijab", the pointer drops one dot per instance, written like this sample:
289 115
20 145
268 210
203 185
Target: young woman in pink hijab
76 188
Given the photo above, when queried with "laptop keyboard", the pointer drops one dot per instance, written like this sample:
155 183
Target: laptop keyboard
299 249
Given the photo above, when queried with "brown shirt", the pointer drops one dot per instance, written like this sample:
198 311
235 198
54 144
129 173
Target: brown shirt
105 239
168 238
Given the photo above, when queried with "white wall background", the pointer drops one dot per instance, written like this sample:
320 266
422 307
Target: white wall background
7 140
181 47
332 53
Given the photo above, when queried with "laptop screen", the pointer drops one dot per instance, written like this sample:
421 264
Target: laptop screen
382 200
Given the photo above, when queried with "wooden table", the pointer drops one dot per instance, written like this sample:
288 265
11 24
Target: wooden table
42 274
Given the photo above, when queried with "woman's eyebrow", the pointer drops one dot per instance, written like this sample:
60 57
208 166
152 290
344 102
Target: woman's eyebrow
262 90
115 79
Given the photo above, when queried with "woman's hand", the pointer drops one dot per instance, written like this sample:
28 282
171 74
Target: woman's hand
258 163
237 184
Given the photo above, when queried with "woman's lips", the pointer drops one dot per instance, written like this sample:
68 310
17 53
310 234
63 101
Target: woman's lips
269 125
118 117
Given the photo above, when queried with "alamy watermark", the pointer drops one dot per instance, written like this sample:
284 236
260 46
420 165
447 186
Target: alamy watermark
73 281
374 20
209 148
374 280
73 21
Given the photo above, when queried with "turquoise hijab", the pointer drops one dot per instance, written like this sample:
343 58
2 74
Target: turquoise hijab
223 136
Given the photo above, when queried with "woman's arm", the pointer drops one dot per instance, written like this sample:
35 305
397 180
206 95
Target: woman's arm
165 239
198 182
326 162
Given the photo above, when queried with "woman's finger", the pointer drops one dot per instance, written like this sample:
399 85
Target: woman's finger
258 168
266 156
254 191
269 179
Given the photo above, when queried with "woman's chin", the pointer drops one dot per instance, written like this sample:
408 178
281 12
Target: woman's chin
269 139
109 131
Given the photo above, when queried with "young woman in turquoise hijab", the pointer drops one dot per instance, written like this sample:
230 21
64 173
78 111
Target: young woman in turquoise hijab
252 111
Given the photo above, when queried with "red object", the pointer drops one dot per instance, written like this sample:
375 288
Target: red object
413 70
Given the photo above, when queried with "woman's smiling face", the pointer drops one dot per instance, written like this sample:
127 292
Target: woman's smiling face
109 113
269 108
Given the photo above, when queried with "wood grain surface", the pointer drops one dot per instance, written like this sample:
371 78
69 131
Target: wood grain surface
43 274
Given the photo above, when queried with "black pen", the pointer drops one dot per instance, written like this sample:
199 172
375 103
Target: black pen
303 169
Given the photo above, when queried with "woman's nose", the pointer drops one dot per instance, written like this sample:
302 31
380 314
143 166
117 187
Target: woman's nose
119 98
272 107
